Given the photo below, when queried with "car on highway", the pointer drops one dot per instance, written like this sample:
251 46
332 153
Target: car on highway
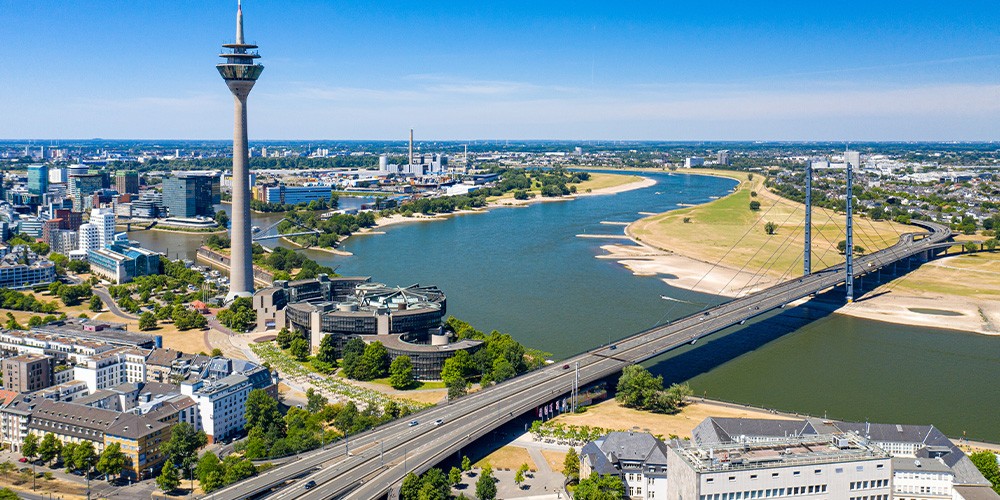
413 423
565 367
310 485
614 347
438 422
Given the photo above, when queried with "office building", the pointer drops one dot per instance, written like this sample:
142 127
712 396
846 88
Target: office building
104 220
841 466
694 161
853 158
191 195
38 179
88 237
70 220
723 157
27 372
926 464
81 186
227 181
240 72
127 182
294 195
58 175
120 263
221 404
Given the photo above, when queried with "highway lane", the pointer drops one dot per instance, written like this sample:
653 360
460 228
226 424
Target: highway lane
373 471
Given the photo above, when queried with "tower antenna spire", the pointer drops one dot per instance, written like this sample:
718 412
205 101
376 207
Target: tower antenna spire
239 21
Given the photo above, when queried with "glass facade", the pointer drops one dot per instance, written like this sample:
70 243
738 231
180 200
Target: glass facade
191 195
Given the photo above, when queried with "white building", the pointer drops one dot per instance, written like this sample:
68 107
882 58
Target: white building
694 161
723 157
922 479
111 368
815 466
221 404
853 157
89 238
638 458
104 220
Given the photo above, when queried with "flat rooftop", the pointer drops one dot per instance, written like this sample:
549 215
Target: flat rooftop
805 450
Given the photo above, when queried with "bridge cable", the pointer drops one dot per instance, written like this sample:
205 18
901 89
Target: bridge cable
749 260
776 254
694 287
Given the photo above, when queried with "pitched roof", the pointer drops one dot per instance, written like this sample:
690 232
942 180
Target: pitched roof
634 446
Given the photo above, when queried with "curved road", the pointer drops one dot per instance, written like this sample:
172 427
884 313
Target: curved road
380 458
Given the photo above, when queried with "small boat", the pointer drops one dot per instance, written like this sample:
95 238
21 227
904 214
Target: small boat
255 229
657 192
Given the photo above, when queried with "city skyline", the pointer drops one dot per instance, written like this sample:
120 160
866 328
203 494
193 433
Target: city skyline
513 71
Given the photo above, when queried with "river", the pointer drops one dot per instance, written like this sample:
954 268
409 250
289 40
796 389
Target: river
525 271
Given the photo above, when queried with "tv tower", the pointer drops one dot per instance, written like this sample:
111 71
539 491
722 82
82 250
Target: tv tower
240 73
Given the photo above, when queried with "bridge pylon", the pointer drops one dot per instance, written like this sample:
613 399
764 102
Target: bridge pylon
849 249
807 251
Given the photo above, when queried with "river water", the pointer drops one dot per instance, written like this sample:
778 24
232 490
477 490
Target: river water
525 271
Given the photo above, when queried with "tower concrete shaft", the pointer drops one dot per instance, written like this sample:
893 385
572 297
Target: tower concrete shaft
240 73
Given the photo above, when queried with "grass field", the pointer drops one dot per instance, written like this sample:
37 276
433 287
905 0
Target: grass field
609 414
974 276
555 459
508 457
729 232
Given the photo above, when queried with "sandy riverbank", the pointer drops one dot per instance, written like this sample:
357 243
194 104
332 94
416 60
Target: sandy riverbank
906 305
395 219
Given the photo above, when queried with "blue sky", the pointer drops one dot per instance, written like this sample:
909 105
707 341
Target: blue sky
507 70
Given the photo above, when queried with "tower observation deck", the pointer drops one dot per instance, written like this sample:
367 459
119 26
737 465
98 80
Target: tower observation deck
240 71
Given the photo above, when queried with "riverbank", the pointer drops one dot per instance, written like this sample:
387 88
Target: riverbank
394 219
950 293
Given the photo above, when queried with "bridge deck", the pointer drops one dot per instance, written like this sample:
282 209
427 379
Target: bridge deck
370 473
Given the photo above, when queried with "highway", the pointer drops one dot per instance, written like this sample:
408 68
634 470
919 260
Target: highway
381 457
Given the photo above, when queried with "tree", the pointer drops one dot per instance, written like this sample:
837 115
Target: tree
300 349
66 455
84 457
315 402
111 461
598 487
455 476
502 370
434 486
285 338
216 353
222 218
353 350
182 447
457 387
168 480
8 494
571 465
755 205
96 305
262 413
971 247
328 350
770 228
486 486
991 244
50 448
30 447
410 489
237 469
519 475
466 464
637 387
374 362
986 462
401 373
240 316
209 472
147 321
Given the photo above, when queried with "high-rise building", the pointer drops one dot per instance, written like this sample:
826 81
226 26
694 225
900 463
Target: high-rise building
240 72
27 372
127 182
104 220
853 157
724 157
83 185
191 195
89 238
38 179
